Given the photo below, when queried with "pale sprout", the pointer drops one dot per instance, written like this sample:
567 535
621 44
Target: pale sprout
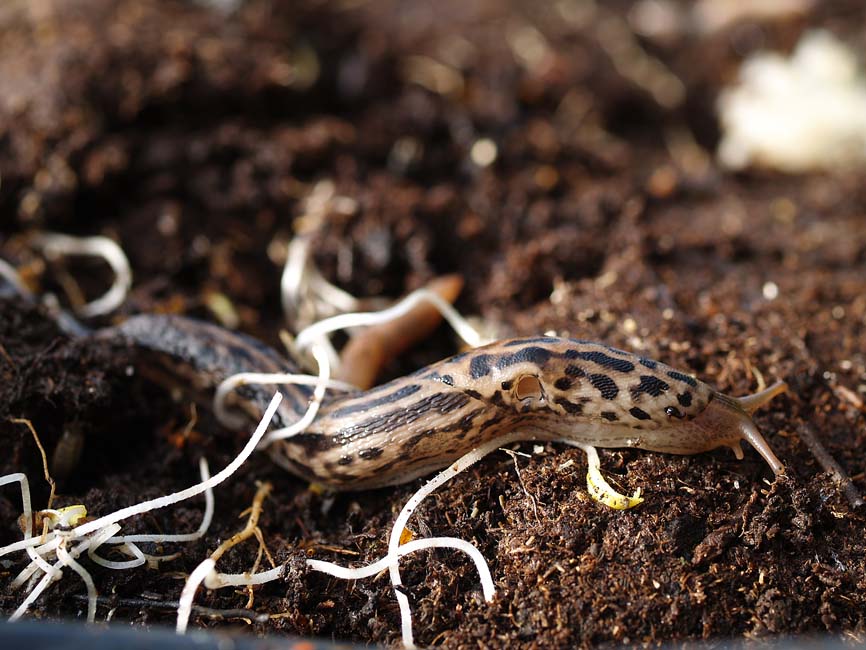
305 293
55 245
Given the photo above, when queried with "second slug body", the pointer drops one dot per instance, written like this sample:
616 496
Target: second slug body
548 388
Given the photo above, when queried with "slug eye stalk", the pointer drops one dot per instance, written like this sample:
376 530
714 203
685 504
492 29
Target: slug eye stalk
734 414
751 403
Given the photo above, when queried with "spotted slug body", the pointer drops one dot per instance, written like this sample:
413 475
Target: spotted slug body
550 388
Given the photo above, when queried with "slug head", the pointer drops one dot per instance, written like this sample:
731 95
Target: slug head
598 395
725 422
659 424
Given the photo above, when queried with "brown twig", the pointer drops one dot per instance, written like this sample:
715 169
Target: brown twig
830 465
7 358
250 530
48 478
531 498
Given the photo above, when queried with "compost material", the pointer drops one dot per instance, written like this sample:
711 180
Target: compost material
512 144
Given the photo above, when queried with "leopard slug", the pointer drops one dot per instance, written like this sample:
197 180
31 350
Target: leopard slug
550 388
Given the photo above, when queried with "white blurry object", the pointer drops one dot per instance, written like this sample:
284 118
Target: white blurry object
710 16
803 113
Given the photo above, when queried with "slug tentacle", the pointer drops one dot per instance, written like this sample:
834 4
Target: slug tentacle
751 403
727 420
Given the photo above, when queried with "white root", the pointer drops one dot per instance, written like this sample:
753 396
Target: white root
232 383
187 595
182 537
305 293
346 573
55 245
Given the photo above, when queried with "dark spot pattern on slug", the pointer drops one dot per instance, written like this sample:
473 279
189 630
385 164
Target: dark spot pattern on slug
530 354
506 385
574 371
314 444
480 366
563 383
605 385
386 467
685 399
570 407
448 380
638 413
442 403
492 422
339 477
496 398
648 363
367 404
465 423
370 454
610 416
683 378
412 442
537 339
606 361
472 393
652 386
345 460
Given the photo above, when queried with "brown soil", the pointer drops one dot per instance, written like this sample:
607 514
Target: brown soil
193 138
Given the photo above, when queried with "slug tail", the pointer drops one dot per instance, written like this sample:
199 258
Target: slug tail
751 403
